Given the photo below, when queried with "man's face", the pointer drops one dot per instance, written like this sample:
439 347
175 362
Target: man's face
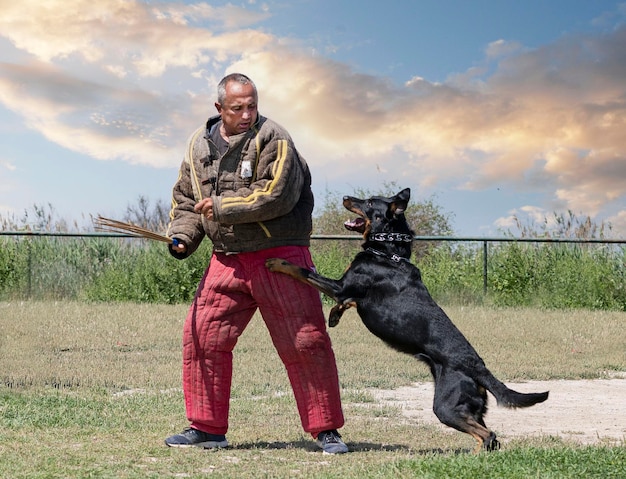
239 108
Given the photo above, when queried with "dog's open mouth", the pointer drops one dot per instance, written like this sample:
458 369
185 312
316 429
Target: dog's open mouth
357 224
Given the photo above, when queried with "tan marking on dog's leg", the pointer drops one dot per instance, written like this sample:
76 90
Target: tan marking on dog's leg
480 441
478 432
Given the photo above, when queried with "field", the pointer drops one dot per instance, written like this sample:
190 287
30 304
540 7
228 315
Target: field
91 390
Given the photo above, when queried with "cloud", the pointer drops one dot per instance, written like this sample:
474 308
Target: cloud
147 40
504 130
502 49
7 165
229 16
130 80
98 77
524 216
7 186
91 118
618 223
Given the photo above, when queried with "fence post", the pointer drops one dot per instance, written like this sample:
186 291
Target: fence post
484 267
29 284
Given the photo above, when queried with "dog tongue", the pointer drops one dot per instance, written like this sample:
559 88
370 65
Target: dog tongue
357 225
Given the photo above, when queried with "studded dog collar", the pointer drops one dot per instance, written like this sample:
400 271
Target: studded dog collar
393 237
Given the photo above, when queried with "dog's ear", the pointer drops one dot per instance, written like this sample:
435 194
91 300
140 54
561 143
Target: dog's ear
400 202
404 195
397 207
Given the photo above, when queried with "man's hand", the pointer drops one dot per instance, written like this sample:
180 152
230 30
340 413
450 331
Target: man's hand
179 247
205 208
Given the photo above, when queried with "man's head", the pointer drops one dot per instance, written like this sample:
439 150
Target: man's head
237 103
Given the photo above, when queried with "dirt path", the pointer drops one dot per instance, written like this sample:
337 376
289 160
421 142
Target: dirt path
584 411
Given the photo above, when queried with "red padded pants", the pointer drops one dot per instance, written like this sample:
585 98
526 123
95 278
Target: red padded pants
232 289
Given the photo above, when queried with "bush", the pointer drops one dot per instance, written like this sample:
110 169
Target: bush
12 280
454 273
150 274
558 276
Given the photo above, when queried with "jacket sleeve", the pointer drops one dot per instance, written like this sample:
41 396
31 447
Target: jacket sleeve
185 224
275 191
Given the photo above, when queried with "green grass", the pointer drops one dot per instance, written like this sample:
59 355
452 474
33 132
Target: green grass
91 390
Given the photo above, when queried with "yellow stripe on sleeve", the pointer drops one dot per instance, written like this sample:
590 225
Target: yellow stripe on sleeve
189 158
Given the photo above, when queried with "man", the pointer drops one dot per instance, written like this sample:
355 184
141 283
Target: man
245 186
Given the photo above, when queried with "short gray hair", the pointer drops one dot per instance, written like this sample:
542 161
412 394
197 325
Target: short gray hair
237 77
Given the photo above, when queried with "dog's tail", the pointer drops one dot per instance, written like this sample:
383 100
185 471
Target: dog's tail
508 397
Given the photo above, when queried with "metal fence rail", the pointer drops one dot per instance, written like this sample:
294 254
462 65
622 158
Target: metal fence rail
459 239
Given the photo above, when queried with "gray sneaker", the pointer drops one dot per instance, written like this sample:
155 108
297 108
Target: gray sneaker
191 437
331 443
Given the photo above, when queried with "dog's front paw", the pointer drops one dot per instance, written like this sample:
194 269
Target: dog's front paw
335 315
271 263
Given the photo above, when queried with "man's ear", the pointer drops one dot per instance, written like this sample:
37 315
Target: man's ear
218 107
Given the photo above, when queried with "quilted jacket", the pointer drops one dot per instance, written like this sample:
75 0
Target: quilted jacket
261 191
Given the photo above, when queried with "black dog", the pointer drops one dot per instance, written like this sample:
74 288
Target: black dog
394 304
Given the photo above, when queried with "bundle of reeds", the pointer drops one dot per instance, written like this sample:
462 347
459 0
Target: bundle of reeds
115 226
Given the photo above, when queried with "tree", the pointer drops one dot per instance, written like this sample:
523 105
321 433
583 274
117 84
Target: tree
155 218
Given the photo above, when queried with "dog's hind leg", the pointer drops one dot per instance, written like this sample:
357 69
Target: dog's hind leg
460 403
491 443
462 422
485 438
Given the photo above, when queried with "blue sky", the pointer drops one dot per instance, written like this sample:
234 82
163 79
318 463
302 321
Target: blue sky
496 108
